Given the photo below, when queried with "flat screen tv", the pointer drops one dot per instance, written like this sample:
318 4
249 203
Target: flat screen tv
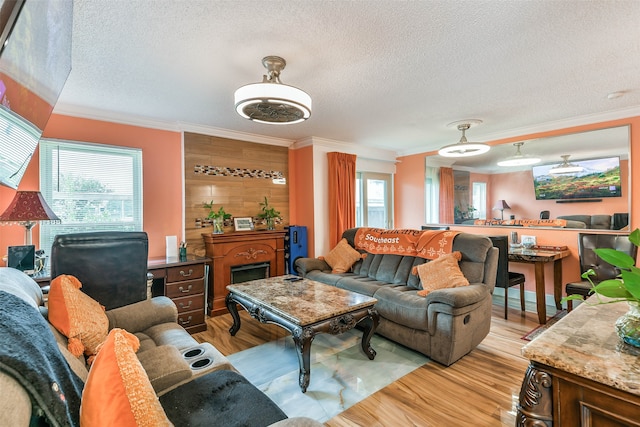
598 178
35 61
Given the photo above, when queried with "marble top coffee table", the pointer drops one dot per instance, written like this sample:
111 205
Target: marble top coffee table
304 308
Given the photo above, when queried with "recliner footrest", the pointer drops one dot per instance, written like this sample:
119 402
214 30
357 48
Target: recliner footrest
221 398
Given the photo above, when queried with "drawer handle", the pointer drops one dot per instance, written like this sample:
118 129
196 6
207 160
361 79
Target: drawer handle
185 291
185 322
185 306
183 274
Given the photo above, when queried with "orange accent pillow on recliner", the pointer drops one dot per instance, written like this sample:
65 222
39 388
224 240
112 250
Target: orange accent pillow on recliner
443 272
77 316
118 391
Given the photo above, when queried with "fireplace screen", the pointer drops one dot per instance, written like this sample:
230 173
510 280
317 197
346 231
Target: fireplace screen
247 272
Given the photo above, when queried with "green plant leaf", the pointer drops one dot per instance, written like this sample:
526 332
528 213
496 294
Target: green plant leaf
588 273
615 257
612 288
574 297
631 282
634 237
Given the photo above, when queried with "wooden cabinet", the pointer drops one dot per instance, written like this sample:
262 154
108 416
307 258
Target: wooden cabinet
185 283
246 248
581 374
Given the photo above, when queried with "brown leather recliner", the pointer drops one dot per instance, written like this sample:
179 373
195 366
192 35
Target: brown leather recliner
589 260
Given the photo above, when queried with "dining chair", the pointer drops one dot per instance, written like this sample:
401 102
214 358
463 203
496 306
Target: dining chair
587 242
505 278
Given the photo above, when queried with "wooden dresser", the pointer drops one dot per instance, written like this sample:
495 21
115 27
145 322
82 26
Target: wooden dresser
185 283
242 248
581 373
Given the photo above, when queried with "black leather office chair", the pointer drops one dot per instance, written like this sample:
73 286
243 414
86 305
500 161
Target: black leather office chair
112 266
587 242
505 278
544 214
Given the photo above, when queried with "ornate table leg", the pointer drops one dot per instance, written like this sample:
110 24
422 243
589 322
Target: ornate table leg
535 407
233 309
302 337
369 329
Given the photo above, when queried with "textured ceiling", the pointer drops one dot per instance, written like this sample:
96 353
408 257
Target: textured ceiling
386 74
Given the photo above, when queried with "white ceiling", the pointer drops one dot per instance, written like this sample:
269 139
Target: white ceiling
385 74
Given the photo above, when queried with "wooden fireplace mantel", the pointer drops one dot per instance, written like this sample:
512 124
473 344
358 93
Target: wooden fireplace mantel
240 248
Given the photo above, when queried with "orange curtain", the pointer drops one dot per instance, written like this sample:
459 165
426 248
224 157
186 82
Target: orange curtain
446 196
342 194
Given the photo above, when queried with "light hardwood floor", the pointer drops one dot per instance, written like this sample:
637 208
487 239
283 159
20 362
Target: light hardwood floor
481 389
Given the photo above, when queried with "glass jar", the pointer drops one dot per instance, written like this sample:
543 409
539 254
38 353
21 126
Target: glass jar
628 325
218 223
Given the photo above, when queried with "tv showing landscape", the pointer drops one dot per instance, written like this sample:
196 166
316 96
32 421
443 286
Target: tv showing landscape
598 178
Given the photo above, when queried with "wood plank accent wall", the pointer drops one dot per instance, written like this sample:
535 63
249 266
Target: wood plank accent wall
239 196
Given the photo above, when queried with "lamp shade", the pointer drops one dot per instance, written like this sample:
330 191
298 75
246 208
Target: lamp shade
28 206
26 209
501 205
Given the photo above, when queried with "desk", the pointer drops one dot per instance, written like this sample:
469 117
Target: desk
539 258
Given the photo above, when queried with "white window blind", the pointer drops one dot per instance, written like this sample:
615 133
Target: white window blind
91 187
18 140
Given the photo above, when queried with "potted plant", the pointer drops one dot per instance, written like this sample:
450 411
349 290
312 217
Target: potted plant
218 217
625 287
269 214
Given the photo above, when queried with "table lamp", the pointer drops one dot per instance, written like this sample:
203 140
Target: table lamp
28 208
501 205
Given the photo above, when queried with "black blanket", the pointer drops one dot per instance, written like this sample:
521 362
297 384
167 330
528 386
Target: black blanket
29 353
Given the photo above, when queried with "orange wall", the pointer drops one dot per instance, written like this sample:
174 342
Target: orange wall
162 175
301 191
408 189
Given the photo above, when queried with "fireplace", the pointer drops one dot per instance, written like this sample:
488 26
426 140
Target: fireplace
239 257
247 272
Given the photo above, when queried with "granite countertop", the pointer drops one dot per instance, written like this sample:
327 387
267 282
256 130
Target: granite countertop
585 343
303 301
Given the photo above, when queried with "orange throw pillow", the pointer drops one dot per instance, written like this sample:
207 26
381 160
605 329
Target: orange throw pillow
118 391
443 272
77 316
342 257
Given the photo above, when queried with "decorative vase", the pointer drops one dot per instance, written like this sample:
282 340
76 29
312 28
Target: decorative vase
218 223
628 325
271 224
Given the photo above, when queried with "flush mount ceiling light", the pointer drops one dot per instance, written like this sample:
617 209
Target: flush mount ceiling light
519 159
464 148
566 167
271 101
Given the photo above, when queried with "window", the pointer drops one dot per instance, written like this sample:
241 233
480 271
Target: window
373 200
432 194
91 187
479 195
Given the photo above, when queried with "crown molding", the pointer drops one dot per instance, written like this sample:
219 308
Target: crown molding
173 126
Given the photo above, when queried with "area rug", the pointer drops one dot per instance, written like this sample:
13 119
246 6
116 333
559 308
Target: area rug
540 329
341 374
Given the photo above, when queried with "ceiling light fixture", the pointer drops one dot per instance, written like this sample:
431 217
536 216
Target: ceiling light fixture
272 102
519 159
463 148
565 167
